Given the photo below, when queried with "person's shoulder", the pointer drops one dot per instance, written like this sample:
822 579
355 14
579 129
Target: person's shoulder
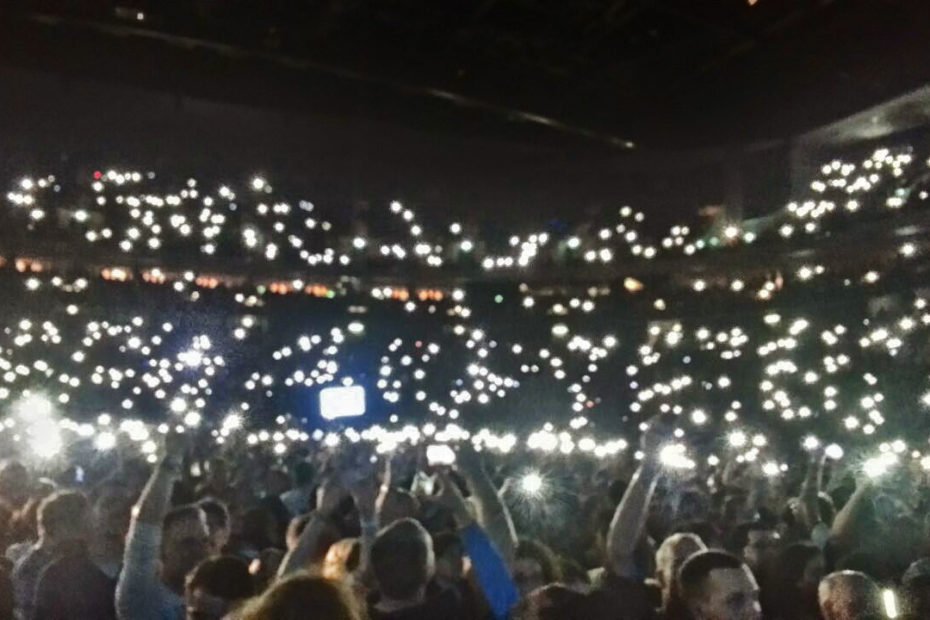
31 558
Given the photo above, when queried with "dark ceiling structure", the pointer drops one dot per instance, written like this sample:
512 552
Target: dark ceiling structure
609 74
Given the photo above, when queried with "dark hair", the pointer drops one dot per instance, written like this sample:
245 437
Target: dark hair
696 569
827 507
790 565
534 550
400 558
6 590
552 602
216 511
573 572
793 559
865 562
60 510
226 577
915 596
739 537
444 541
304 473
181 513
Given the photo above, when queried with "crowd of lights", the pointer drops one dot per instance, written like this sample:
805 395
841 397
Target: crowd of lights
131 212
748 385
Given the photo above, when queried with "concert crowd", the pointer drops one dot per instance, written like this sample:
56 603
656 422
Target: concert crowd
748 442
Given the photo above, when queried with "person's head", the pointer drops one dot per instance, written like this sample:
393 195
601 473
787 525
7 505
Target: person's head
185 543
65 516
303 596
328 536
849 595
216 586
112 511
259 528
14 483
800 567
551 602
450 557
6 589
341 559
219 472
759 545
671 554
715 585
276 482
795 576
218 526
535 566
304 475
264 568
915 590
399 504
402 561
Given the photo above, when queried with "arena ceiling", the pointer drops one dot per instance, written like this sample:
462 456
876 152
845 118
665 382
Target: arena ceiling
602 73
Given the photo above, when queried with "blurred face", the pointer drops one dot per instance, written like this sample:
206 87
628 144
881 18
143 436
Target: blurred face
728 594
761 547
184 545
528 574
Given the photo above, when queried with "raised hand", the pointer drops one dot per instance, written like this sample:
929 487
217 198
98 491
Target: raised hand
657 433
176 446
468 461
330 495
451 498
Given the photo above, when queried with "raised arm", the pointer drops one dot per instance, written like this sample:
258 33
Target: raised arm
138 585
493 515
808 507
629 520
302 554
489 567
843 532
365 493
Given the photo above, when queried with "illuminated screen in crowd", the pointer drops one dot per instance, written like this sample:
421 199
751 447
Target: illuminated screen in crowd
342 402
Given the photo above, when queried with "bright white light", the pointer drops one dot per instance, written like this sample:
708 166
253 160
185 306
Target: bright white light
878 466
342 402
33 407
532 484
737 439
673 456
834 451
811 442
440 454
105 441
891 603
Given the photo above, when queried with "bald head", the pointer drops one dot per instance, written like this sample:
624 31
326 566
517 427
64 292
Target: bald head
849 595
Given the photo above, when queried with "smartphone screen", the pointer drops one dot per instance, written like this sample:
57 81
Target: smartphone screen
440 454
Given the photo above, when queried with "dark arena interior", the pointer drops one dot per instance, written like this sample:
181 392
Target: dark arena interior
503 309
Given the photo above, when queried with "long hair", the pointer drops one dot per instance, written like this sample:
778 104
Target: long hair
304 596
